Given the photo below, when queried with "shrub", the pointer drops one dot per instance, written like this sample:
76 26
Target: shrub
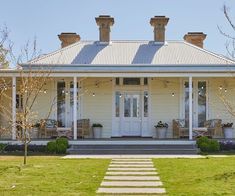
58 146
227 145
208 145
61 148
20 148
201 140
51 147
62 141
2 147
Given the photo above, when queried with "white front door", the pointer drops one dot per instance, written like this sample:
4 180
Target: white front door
131 115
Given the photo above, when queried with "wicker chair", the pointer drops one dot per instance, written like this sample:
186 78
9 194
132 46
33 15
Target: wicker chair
83 128
179 129
214 127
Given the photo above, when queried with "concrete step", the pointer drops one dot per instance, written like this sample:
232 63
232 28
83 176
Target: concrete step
130 165
132 162
133 173
128 149
131 184
132 178
132 159
131 190
134 146
132 151
131 169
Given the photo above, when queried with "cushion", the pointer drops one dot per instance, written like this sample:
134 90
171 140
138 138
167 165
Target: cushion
50 123
181 122
212 123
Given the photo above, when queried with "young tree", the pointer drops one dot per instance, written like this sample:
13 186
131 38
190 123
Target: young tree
31 86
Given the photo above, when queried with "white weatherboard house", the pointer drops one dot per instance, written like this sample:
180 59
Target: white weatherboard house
128 86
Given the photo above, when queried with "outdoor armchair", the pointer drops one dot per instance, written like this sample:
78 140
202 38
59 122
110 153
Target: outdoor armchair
48 128
179 128
214 127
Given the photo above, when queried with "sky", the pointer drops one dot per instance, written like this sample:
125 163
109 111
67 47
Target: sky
44 20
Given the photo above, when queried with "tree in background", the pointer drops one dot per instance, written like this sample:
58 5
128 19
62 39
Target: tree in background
227 101
230 44
4 51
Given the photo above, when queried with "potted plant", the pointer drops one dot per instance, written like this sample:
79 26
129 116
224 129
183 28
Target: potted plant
97 130
228 130
161 130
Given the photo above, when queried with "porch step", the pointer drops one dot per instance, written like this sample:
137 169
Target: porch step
133 149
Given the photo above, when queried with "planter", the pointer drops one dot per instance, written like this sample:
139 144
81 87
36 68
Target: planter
161 132
228 132
97 132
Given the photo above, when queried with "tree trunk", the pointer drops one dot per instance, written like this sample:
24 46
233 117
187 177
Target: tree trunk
25 152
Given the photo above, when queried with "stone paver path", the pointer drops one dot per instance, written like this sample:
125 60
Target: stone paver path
131 176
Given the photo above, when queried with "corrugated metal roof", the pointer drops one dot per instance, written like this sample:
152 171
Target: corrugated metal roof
132 53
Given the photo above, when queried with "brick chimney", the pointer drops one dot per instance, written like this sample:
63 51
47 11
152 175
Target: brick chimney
195 38
68 39
104 22
159 23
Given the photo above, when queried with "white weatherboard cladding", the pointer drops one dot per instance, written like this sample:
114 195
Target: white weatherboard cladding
98 108
164 106
216 106
131 53
45 101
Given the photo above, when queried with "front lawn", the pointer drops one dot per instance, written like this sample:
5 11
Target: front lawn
212 176
47 175
51 176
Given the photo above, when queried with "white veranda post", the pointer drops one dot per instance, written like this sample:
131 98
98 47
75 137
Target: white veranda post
75 108
14 108
190 108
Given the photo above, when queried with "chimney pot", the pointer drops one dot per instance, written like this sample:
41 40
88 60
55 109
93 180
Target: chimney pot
159 23
195 38
104 22
68 39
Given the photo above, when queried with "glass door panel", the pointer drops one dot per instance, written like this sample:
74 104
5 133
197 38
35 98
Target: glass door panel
201 103
61 107
127 105
135 106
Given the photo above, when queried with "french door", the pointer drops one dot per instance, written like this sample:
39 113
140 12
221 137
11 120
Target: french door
200 110
131 116
65 103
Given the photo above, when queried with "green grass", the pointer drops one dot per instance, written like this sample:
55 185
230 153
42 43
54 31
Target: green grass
49 175
210 176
